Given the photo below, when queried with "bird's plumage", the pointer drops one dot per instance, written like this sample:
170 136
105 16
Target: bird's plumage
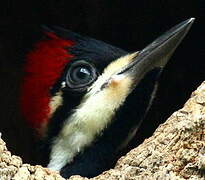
43 67
89 97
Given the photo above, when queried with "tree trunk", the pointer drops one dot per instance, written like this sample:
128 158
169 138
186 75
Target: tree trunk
175 151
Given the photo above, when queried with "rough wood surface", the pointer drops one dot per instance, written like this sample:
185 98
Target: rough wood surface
175 151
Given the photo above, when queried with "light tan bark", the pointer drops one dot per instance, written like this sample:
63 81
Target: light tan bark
175 151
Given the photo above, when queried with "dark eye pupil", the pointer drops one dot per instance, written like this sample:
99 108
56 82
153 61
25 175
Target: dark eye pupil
81 75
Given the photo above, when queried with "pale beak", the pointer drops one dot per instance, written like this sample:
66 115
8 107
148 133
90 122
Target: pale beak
157 54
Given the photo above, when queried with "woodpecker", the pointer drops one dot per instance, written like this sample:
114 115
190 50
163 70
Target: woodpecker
86 98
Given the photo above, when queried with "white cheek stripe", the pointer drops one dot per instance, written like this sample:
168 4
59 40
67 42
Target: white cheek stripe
55 102
90 118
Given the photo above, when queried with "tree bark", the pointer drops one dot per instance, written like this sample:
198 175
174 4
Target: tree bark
175 151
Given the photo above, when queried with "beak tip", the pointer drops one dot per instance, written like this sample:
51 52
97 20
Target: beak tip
191 20
186 25
159 51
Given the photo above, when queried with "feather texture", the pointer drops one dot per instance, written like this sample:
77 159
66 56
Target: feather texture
43 67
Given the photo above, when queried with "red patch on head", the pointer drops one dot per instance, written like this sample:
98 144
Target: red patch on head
43 68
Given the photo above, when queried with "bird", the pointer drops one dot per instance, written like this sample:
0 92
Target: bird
86 99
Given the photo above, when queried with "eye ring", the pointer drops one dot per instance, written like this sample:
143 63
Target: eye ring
80 74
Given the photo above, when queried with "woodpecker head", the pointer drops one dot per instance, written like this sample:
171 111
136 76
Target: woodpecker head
86 98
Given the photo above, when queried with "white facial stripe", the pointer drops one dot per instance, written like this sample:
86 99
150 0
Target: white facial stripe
92 115
113 68
119 63
55 102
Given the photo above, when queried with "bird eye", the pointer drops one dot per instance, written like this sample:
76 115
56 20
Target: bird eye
80 74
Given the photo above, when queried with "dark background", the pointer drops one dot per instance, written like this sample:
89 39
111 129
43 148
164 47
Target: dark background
130 24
